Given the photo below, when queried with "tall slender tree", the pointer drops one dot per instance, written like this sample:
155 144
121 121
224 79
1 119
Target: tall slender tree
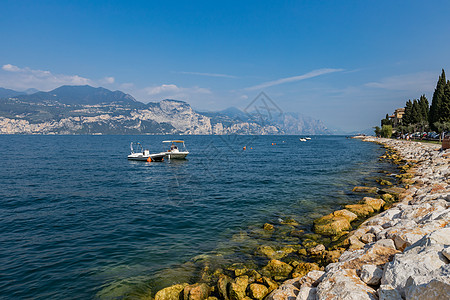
445 105
415 112
407 116
438 98
424 108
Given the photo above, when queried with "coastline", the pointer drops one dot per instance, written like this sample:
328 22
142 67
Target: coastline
374 261
403 252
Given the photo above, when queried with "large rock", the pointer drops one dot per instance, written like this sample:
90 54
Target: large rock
198 291
277 268
365 189
238 287
307 293
361 210
421 259
304 268
222 286
287 291
388 292
344 284
373 255
171 293
375 203
334 226
371 274
438 288
257 291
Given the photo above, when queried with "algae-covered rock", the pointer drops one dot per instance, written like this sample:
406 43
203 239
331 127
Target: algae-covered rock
384 182
331 256
387 197
302 252
268 227
222 286
375 203
257 291
277 268
271 285
333 227
197 291
365 189
344 213
171 293
238 287
362 210
304 268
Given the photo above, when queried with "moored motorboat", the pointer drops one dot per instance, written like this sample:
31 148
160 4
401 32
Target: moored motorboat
139 153
302 140
174 151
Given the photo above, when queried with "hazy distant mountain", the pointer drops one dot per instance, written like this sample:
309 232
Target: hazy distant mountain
85 95
89 110
6 93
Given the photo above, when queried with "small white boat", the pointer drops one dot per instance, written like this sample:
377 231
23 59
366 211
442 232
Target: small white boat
139 153
302 140
308 138
174 151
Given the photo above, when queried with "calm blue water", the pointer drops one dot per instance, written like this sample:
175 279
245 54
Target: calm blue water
78 220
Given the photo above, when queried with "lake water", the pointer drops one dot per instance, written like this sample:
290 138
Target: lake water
80 221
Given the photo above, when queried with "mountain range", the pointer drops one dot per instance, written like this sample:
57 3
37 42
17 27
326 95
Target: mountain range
89 110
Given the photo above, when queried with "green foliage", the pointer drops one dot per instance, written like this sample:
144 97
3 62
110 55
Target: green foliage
424 108
377 130
436 112
407 116
386 131
386 121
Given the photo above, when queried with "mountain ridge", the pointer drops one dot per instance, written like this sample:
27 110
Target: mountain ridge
90 110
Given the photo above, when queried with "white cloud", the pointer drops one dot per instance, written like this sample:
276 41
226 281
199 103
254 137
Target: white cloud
208 74
311 74
10 68
108 80
422 81
172 91
14 77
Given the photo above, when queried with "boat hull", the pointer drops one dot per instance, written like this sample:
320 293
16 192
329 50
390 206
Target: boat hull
176 155
142 157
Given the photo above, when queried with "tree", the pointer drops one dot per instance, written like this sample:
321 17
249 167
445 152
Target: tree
436 102
386 131
445 105
407 116
415 112
377 131
386 121
424 107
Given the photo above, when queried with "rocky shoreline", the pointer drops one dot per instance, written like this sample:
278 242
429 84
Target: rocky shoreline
403 252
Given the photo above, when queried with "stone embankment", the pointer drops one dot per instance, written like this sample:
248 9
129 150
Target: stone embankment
402 253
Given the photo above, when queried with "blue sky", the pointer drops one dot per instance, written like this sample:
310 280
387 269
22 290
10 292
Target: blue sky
347 63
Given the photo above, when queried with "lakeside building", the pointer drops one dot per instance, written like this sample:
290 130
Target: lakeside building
396 117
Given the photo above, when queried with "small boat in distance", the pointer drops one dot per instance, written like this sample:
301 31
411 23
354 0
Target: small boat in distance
174 152
139 153
302 140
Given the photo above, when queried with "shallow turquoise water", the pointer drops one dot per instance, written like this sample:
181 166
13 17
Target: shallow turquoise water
78 220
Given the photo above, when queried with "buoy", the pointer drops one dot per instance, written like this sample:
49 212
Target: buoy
149 159
245 148
251 148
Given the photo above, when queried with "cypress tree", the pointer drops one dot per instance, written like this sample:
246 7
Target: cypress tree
407 116
436 103
424 108
445 105
415 112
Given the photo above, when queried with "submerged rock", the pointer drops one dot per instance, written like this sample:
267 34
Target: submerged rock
365 189
268 227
